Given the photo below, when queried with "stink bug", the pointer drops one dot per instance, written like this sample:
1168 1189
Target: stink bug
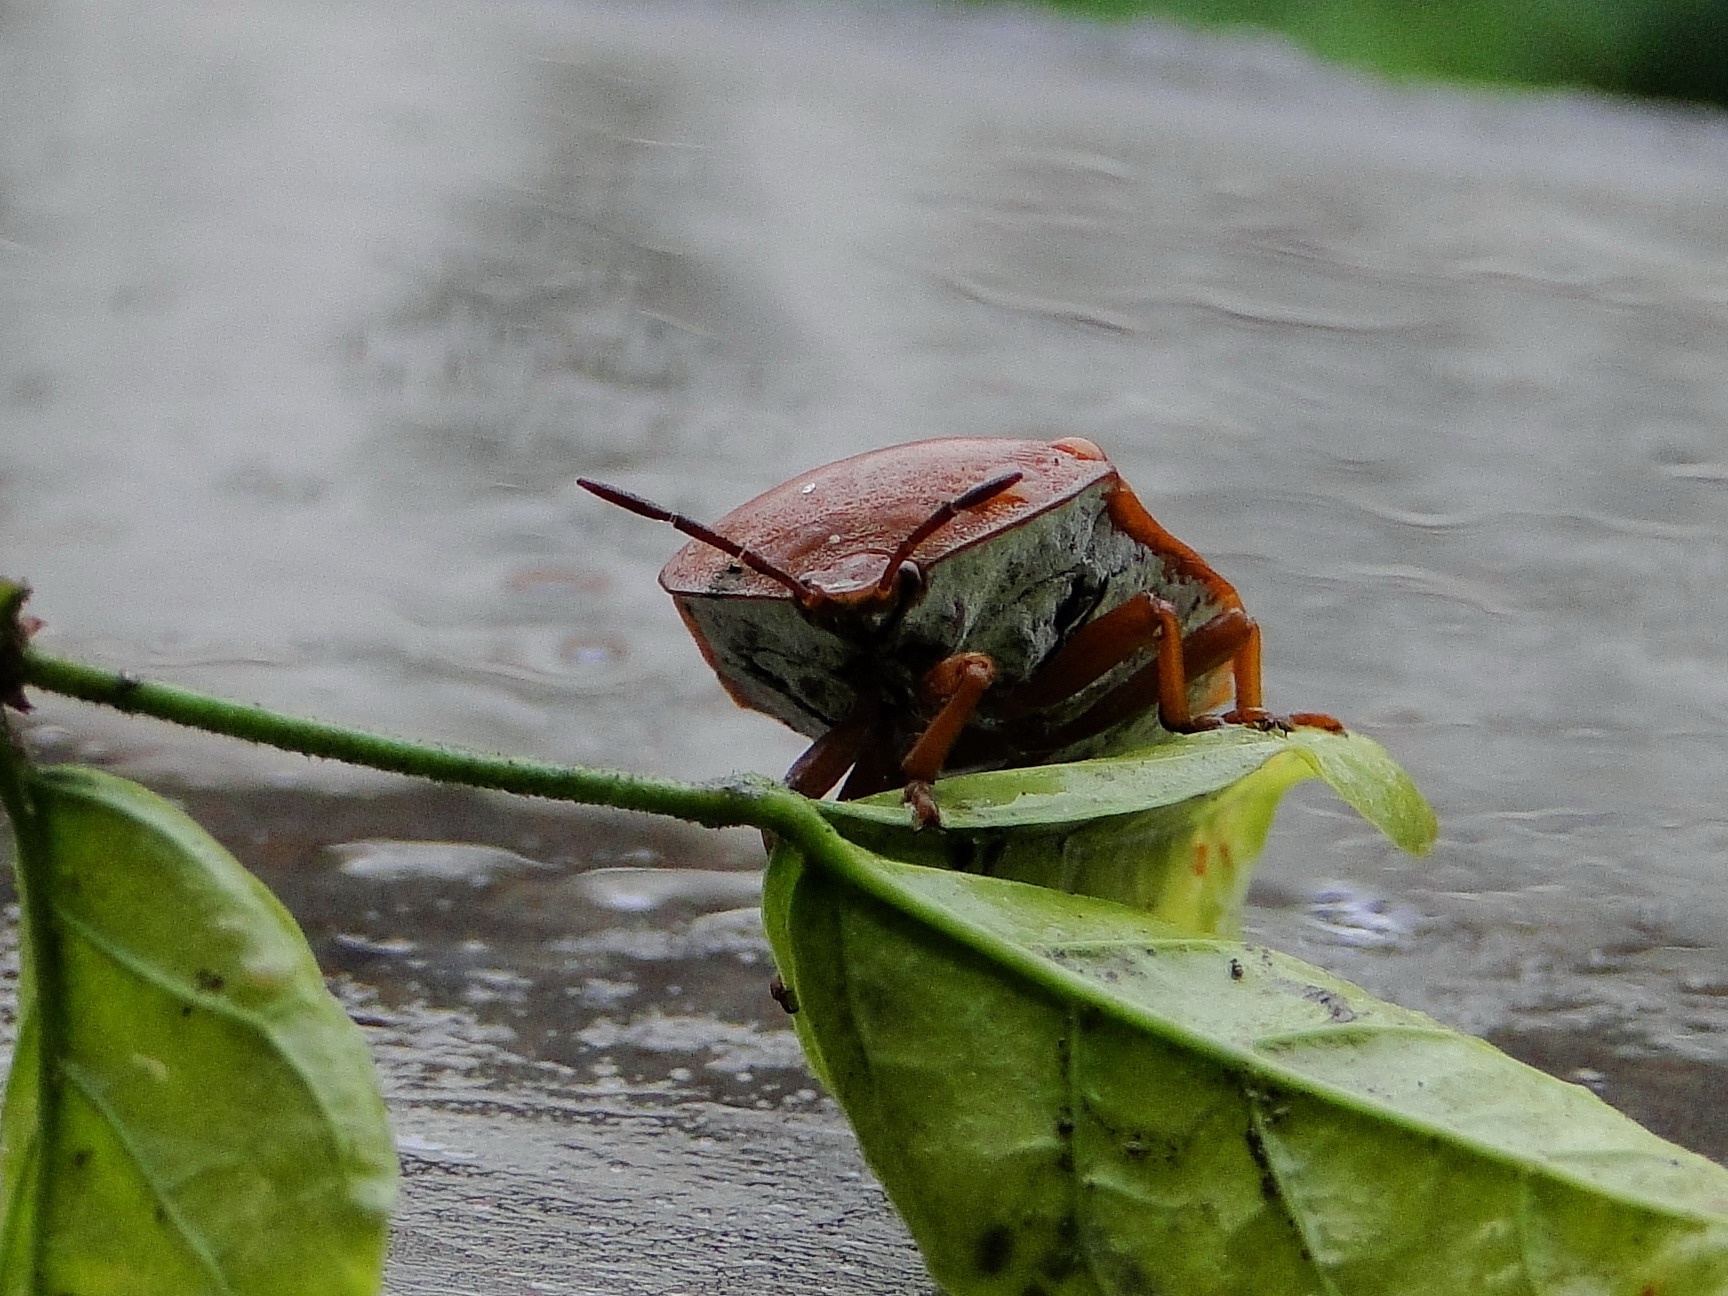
959 604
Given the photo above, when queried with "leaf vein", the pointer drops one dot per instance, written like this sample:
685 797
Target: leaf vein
1272 1179
195 1242
220 1007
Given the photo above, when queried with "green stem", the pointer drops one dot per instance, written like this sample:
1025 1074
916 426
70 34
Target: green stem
756 802
746 801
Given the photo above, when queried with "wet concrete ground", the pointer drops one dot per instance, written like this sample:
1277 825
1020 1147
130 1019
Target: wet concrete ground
312 313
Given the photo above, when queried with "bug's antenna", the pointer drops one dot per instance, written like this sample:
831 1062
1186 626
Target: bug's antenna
982 493
805 593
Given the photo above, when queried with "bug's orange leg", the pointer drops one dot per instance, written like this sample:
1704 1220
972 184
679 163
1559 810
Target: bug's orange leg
959 681
1091 652
1250 709
1131 516
1171 672
1245 668
1218 641
1142 622
835 752
1100 645
1164 681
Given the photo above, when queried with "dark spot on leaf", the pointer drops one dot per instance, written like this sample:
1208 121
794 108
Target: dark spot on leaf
1237 971
1065 1160
995 1250
1169 1152
1060 955
1151 951
1064 1126
1257 1151
80 1158
208 981
1335 1007
1131 1279
1064 1257
1272 1102
161 1214
185 1010
784 995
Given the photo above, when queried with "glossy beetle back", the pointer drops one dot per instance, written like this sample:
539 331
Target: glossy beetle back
837 525
1011 580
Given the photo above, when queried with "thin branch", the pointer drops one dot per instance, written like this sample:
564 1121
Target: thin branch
746 800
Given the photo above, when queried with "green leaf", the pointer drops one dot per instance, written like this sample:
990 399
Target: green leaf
189 1111
1064 1096
1172 829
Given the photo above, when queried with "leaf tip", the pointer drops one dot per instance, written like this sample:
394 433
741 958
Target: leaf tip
1366 778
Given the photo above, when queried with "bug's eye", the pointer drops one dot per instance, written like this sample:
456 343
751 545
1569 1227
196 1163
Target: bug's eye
848 575
1079 447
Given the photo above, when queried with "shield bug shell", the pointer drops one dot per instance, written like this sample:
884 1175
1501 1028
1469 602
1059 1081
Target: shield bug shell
965 603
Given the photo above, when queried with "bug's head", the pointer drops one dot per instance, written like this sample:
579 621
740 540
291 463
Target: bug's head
862 586
875 584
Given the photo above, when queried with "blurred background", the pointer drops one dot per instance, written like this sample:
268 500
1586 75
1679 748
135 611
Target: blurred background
312 312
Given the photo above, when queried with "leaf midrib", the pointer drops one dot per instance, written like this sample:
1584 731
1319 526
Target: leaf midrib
1040 970
194 1241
